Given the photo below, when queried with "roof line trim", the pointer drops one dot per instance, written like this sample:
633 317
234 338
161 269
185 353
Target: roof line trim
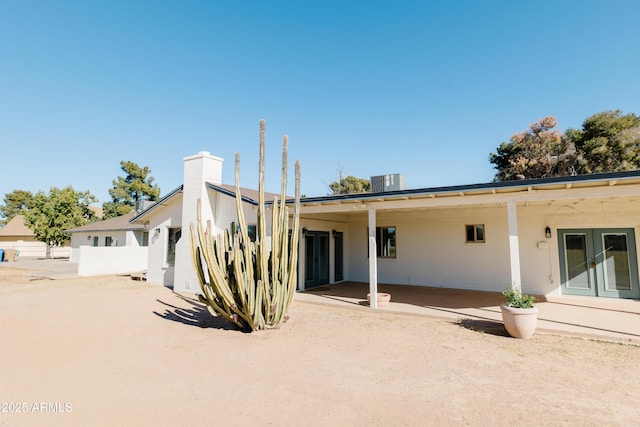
157 203
231 194
600 177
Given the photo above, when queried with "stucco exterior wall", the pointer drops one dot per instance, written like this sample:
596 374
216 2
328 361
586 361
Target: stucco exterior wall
170 216
118 238
541 266
158 271
431 247
224 213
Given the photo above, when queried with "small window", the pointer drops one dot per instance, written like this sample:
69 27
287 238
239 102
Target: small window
475 233
385 242
108 241
251 230
174 236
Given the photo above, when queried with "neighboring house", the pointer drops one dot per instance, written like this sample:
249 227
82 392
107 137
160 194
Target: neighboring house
110 232
110 246
569 235
16 235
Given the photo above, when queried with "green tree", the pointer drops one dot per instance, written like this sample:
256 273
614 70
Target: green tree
538 152
15 203
136 185
608 142
350 184
49 215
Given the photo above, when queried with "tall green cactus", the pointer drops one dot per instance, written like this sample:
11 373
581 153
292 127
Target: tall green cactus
250 284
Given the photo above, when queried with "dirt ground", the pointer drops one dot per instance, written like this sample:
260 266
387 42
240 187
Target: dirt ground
112 351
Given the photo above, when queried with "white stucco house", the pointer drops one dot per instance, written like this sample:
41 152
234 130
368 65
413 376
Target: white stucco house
569 235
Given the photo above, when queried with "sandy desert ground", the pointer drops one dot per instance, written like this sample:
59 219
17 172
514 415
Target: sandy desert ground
112 351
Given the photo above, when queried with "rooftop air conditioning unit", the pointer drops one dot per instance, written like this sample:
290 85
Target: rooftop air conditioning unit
391 182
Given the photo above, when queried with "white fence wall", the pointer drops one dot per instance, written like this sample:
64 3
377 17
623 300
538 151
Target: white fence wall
94 261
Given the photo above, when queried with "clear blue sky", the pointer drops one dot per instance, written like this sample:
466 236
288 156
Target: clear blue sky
427 89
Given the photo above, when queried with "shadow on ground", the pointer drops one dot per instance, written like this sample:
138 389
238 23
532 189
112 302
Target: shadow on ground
196 315
483 326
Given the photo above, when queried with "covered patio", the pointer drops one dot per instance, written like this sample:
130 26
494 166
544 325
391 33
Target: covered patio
586 317
563 236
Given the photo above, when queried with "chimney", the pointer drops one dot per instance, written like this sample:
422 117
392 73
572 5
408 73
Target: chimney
198 170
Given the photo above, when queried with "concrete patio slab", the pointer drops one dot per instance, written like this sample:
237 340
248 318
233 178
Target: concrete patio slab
595 318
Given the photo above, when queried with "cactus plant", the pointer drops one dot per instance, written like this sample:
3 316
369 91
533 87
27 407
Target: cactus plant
250 284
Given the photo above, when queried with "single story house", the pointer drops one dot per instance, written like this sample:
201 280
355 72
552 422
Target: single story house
16 235
567 235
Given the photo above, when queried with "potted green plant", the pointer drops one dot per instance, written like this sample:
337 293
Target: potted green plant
519 314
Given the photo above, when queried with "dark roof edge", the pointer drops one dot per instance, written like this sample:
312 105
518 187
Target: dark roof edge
483 186
157 203
95 230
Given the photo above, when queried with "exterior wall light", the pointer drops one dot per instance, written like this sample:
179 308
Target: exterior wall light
547 233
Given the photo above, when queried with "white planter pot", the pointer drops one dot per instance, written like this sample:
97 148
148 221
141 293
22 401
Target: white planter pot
519 322
383 299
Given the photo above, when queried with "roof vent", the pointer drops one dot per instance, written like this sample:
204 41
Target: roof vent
391 182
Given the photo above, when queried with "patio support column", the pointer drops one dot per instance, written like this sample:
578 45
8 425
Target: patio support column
373 260
514 248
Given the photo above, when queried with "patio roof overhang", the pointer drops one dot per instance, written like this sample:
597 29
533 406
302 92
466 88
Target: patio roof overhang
550 190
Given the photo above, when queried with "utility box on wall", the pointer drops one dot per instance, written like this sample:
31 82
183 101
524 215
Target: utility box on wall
391 182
